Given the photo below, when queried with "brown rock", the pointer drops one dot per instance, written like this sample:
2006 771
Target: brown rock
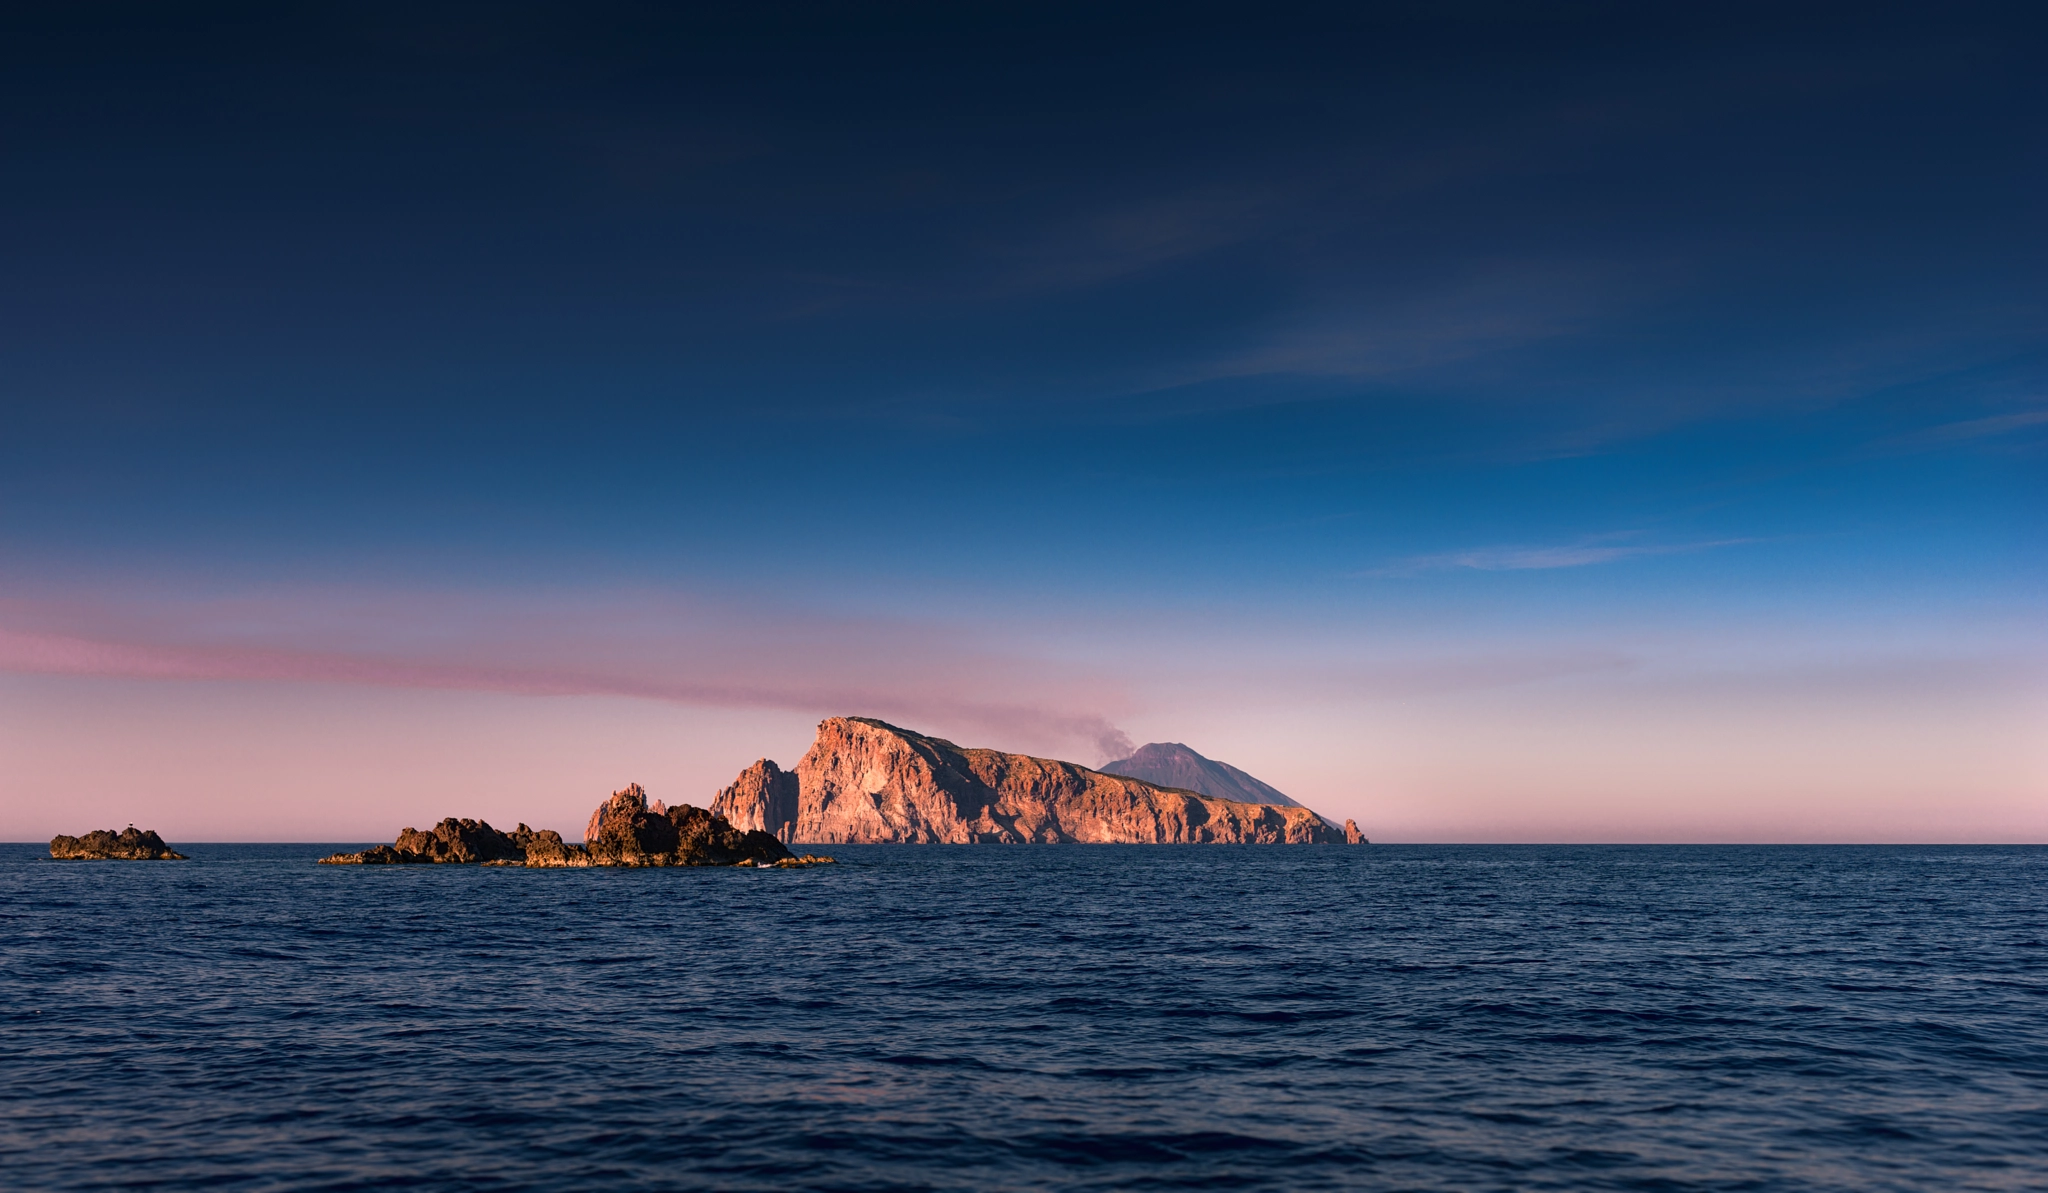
1351 834
461 842
707 839
868 781
764 797
453 841
380 855
545 848
624 831
130 844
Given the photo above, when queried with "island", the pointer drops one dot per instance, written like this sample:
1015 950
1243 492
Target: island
866 781
129 845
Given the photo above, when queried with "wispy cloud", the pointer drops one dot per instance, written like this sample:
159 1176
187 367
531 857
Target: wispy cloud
1111 245
707 658
1375 335
1585 553
1944 434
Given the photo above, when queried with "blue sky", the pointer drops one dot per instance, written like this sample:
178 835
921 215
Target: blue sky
1018 373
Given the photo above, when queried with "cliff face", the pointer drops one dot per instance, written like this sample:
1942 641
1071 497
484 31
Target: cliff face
764 797
1171 764
865 781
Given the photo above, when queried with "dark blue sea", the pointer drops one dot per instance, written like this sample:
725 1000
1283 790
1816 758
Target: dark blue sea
1078 1017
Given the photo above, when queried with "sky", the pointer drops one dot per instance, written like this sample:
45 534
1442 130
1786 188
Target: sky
1519 422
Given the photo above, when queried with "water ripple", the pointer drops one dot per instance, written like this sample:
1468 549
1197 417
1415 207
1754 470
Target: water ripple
1034 1018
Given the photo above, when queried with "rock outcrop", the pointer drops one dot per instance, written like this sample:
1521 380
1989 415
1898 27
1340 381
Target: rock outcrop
1351 834
462 842
545 848
625 830
765 797
866 781
1171 764
129 845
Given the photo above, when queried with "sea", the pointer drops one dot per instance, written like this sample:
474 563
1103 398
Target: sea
1033 1017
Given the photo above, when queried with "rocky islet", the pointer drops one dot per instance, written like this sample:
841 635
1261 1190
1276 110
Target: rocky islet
866 781
129 845
625 830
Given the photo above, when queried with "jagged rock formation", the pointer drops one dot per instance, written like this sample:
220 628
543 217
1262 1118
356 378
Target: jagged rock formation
1351 834
1171 764
764 797
129 845
871 782
463 842
625 830
545 848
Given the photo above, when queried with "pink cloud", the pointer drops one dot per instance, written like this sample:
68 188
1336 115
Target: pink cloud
739 663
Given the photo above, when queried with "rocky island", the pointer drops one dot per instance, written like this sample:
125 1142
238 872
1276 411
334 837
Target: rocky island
625 830
865 781
869 782
129 845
